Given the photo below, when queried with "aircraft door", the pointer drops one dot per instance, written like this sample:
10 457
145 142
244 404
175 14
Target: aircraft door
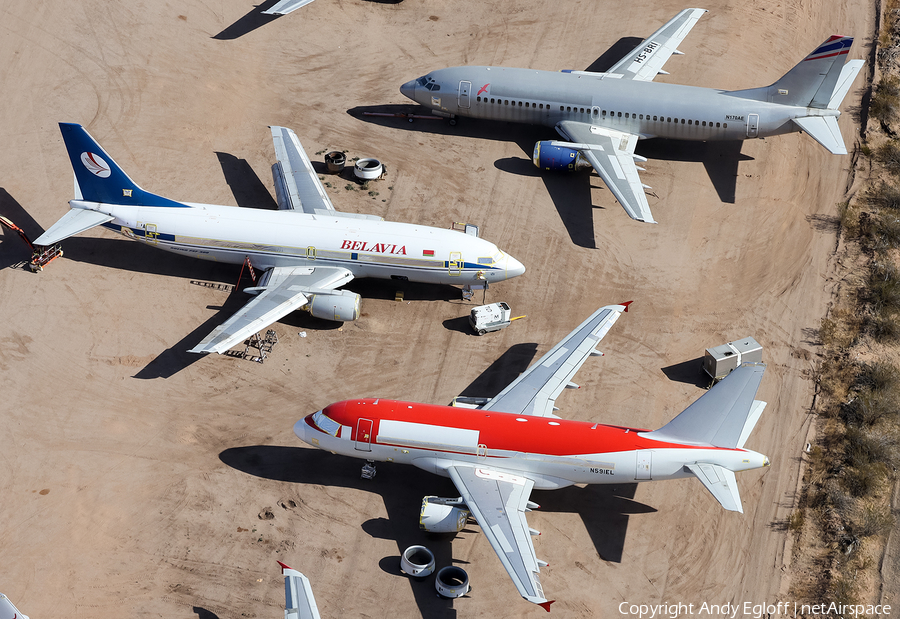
311 253
464 89
752 125
644 460
364 435
595 113
454 265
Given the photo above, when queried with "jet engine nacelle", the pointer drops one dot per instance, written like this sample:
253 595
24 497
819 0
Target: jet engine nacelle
442 515
340 305
549 156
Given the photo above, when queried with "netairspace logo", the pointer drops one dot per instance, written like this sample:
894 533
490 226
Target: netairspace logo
752 609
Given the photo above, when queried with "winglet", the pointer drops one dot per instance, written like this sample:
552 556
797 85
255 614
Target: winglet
626 304
546 605
284 567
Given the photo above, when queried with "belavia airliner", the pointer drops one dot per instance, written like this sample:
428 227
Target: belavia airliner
601 116
497 453
305 249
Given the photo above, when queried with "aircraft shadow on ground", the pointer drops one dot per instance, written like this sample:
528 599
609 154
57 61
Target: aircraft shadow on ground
247 188
614 54
690 372
570 193
401 489
502 371
249 22
13 249
603 509
720 159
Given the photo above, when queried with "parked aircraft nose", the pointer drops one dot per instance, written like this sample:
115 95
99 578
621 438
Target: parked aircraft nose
301 428
514 268
409 89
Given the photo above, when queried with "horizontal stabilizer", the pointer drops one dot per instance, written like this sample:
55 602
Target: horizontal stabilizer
721 484
720 416
825 131
75 221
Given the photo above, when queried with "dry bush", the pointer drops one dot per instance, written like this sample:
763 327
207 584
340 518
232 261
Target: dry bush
849 218
860 482
887 231
883 195
870 519
878 376
888 155
885 102
867 447
883 325
884 286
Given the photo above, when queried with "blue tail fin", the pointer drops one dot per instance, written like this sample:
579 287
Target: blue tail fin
99 177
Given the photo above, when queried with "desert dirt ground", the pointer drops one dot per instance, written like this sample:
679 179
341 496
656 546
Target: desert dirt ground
133 474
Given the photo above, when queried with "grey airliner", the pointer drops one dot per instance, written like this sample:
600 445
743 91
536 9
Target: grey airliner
603 115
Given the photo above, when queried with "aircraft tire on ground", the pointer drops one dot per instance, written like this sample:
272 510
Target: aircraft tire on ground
481 332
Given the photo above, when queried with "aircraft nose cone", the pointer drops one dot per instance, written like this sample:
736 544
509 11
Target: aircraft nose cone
300 429
409 89
514 268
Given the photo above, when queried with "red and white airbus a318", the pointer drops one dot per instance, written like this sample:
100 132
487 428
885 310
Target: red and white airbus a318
513 443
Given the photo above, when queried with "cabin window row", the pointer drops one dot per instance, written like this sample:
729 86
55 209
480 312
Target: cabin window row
528 104
667 119
568 108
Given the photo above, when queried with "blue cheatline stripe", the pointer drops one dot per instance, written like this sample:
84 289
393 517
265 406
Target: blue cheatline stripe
99 177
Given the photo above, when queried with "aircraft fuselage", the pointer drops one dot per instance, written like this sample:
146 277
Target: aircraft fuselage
553 452
648 109
366 247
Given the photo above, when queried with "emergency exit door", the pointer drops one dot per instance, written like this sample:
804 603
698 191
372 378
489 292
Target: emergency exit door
364 435
464 89
752 125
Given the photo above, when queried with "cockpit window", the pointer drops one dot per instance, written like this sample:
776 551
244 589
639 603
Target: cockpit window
326 424
426 81
488 261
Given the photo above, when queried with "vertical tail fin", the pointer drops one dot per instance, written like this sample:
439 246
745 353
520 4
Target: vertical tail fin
723 416
812 82
100 179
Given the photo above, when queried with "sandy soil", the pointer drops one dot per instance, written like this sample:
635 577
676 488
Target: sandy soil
133 474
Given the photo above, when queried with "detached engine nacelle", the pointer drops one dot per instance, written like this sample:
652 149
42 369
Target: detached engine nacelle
340 305
443 515
549 156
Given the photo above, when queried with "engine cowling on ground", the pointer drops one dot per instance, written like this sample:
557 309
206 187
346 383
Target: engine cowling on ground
340 305
439 517
548 156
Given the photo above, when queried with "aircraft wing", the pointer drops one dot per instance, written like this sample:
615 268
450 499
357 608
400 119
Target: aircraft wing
647 59
535 391
498 502
299 601
611 153
286 6
297 186
287 289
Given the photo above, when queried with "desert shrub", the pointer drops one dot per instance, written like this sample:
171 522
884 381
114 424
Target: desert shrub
848 215
878 376
795 522
885 102
883 195
864 448
884 286
887 230
869 520
888 155
883 325
868 408
860 482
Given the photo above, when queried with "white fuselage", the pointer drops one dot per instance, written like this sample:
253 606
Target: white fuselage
366 247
